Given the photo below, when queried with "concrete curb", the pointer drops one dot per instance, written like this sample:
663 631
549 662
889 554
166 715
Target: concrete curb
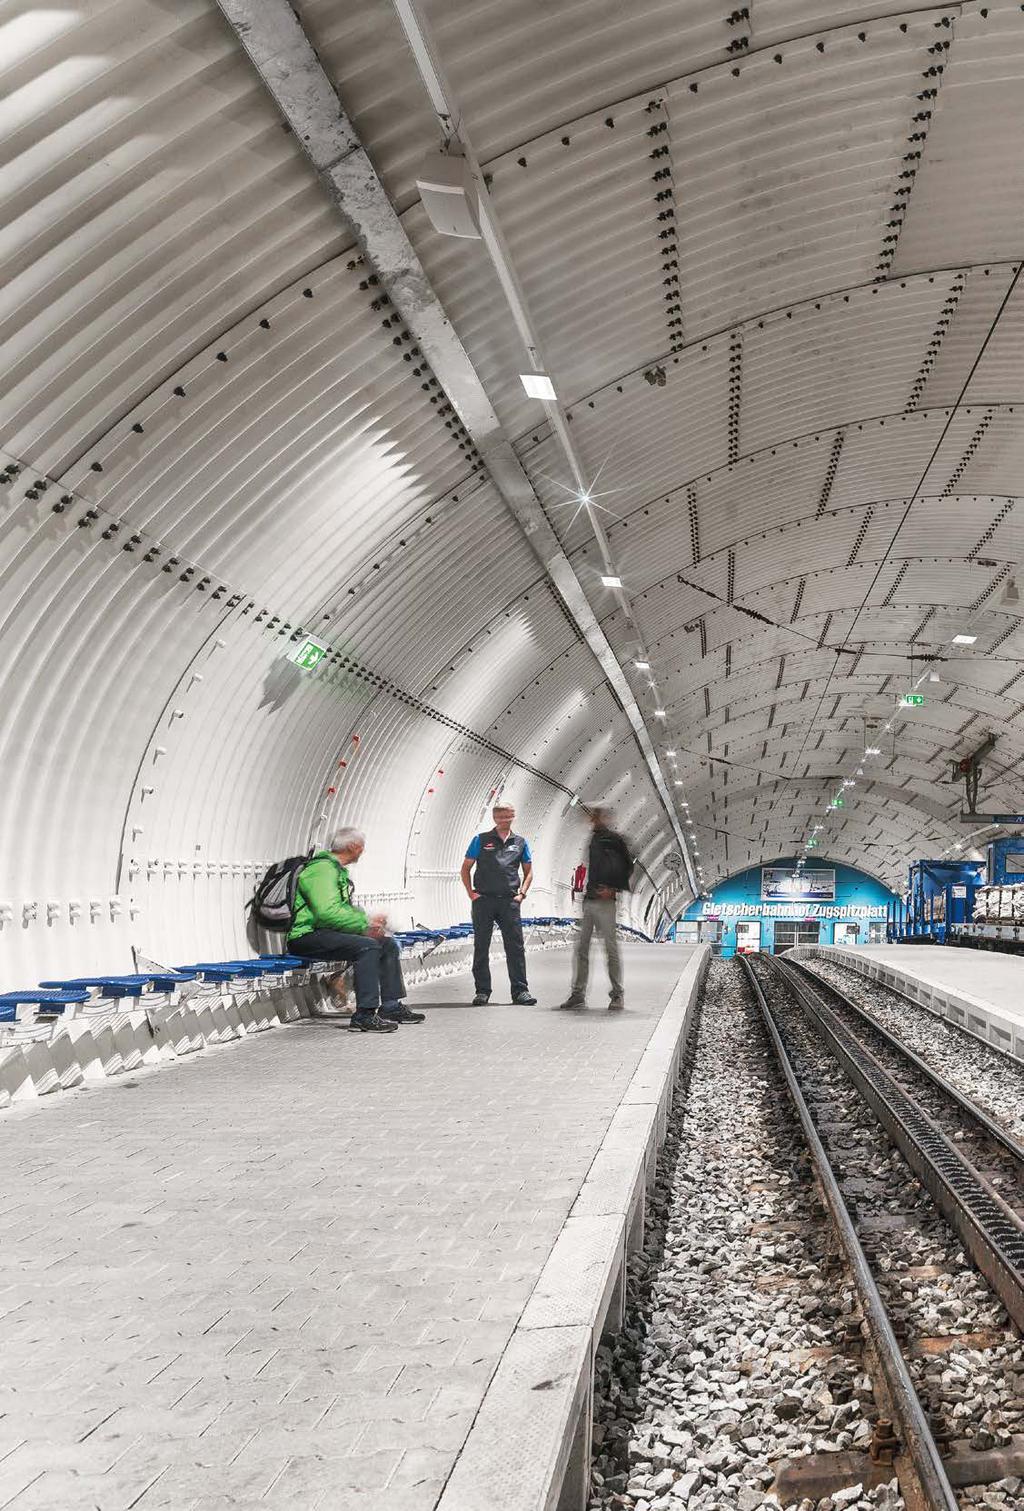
529 1446
973 1014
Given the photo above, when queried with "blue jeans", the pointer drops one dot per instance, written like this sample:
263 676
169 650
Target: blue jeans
376 964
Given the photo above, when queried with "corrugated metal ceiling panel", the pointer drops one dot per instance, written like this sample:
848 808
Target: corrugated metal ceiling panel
132 230
965 207
784 167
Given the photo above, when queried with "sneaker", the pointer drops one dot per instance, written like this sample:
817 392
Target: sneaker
397 1012
571 1004
523 999
616 1005
481 999
371 1023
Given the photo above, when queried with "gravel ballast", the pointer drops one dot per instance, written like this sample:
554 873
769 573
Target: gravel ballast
741 1344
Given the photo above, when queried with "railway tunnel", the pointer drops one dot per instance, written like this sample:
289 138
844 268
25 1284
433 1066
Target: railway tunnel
474 477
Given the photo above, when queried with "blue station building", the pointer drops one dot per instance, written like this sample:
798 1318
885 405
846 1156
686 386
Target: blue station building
774 907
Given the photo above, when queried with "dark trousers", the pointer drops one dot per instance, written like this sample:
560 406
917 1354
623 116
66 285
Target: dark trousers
376 963
503 911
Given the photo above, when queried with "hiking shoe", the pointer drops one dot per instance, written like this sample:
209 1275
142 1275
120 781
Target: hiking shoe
481 999
616 1005
523 999
397 1012
571 1003
371 1023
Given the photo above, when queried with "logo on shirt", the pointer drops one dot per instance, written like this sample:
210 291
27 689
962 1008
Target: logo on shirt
488 847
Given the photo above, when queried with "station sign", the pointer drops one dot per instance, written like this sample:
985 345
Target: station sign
802 911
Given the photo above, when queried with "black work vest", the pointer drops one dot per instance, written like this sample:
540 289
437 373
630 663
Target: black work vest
497 865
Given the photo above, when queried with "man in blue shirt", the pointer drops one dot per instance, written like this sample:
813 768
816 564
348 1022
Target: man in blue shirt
502 878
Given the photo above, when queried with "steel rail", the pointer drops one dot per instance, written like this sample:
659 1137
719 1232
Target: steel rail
924 1461
991 1231
993 1130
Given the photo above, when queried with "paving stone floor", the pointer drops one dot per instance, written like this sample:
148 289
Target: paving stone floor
280 1274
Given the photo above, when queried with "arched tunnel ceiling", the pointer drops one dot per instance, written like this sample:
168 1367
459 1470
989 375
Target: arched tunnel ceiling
770 254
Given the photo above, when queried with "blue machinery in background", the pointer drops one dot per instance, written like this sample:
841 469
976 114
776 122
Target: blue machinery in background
940 896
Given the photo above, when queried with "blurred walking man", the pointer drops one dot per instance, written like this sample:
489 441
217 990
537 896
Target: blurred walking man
504 873
609 867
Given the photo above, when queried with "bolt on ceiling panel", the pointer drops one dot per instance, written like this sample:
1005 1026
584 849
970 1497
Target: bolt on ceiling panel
994 457
762 492
973 301
954 524
885 459
774 20
292 437
432 604
813 545
132 231
522 69
1007 540
963 433
834 362
638 444
669 605
969 191
784 165
581 217
519 645
999 375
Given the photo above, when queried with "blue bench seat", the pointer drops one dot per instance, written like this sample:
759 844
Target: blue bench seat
56 1001
123 986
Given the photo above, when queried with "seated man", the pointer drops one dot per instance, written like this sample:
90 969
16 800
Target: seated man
327 926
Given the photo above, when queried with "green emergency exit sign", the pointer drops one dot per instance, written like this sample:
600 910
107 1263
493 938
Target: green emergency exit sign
309 654
911 700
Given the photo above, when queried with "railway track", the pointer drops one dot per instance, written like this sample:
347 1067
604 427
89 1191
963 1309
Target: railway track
804 1326
971 1167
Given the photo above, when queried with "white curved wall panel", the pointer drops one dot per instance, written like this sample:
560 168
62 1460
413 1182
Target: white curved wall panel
150 200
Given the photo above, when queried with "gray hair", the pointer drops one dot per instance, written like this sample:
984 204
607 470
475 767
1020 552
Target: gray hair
344 839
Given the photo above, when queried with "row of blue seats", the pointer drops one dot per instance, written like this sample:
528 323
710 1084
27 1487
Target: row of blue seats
55 996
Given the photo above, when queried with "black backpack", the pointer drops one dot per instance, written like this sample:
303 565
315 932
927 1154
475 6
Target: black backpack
273 902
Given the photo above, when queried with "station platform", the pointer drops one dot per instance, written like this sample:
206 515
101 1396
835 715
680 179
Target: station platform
316 1269
982 991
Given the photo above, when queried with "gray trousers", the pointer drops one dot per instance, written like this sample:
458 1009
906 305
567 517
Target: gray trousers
597 915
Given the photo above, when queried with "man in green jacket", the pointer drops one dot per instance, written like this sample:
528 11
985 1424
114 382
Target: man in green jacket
328 926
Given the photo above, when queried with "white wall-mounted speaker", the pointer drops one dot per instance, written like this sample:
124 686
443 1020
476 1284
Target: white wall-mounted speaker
449 194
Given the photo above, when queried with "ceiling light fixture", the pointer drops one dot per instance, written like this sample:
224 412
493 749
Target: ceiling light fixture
933 676
611 582
1011 593
659 713
964 639
873 750
642 666
538 386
